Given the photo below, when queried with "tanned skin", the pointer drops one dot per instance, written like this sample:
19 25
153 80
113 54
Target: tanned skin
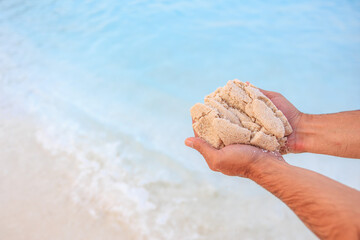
328 208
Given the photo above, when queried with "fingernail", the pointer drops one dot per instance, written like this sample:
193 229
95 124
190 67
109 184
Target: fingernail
189 142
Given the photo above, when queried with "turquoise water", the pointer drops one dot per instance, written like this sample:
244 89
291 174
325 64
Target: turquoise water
110 83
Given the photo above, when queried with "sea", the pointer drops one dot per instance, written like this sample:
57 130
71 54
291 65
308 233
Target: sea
94 111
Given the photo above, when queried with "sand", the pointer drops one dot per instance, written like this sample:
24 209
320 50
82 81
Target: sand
36 191
239 113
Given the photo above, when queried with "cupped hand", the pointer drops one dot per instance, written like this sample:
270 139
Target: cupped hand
294 117
240 159
233 160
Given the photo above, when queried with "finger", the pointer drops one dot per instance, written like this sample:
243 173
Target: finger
205 149
195 133
269 94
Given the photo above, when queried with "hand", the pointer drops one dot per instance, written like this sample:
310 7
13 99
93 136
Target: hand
239 159
233 160
294 117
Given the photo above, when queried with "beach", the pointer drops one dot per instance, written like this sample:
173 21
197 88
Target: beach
94 110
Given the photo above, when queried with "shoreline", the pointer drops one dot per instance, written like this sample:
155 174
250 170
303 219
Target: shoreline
36 191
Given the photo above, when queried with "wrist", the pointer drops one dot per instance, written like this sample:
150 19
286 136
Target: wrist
269 165
298 141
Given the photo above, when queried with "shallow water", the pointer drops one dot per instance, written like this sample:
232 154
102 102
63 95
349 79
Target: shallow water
94 100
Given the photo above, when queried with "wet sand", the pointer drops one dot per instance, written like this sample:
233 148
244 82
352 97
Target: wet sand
36 188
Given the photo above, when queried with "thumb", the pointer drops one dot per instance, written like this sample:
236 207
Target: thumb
204 148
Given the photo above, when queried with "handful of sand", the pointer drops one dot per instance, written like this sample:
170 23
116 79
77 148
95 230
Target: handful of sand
240 113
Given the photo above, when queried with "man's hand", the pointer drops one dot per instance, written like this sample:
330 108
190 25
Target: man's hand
232 160
335 134
237 160
294 116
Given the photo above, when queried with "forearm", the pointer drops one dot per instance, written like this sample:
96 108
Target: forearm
335 134
330 209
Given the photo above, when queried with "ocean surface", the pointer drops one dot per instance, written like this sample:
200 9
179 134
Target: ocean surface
94 110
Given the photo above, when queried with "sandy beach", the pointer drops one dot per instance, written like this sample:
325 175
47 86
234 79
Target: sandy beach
94 111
